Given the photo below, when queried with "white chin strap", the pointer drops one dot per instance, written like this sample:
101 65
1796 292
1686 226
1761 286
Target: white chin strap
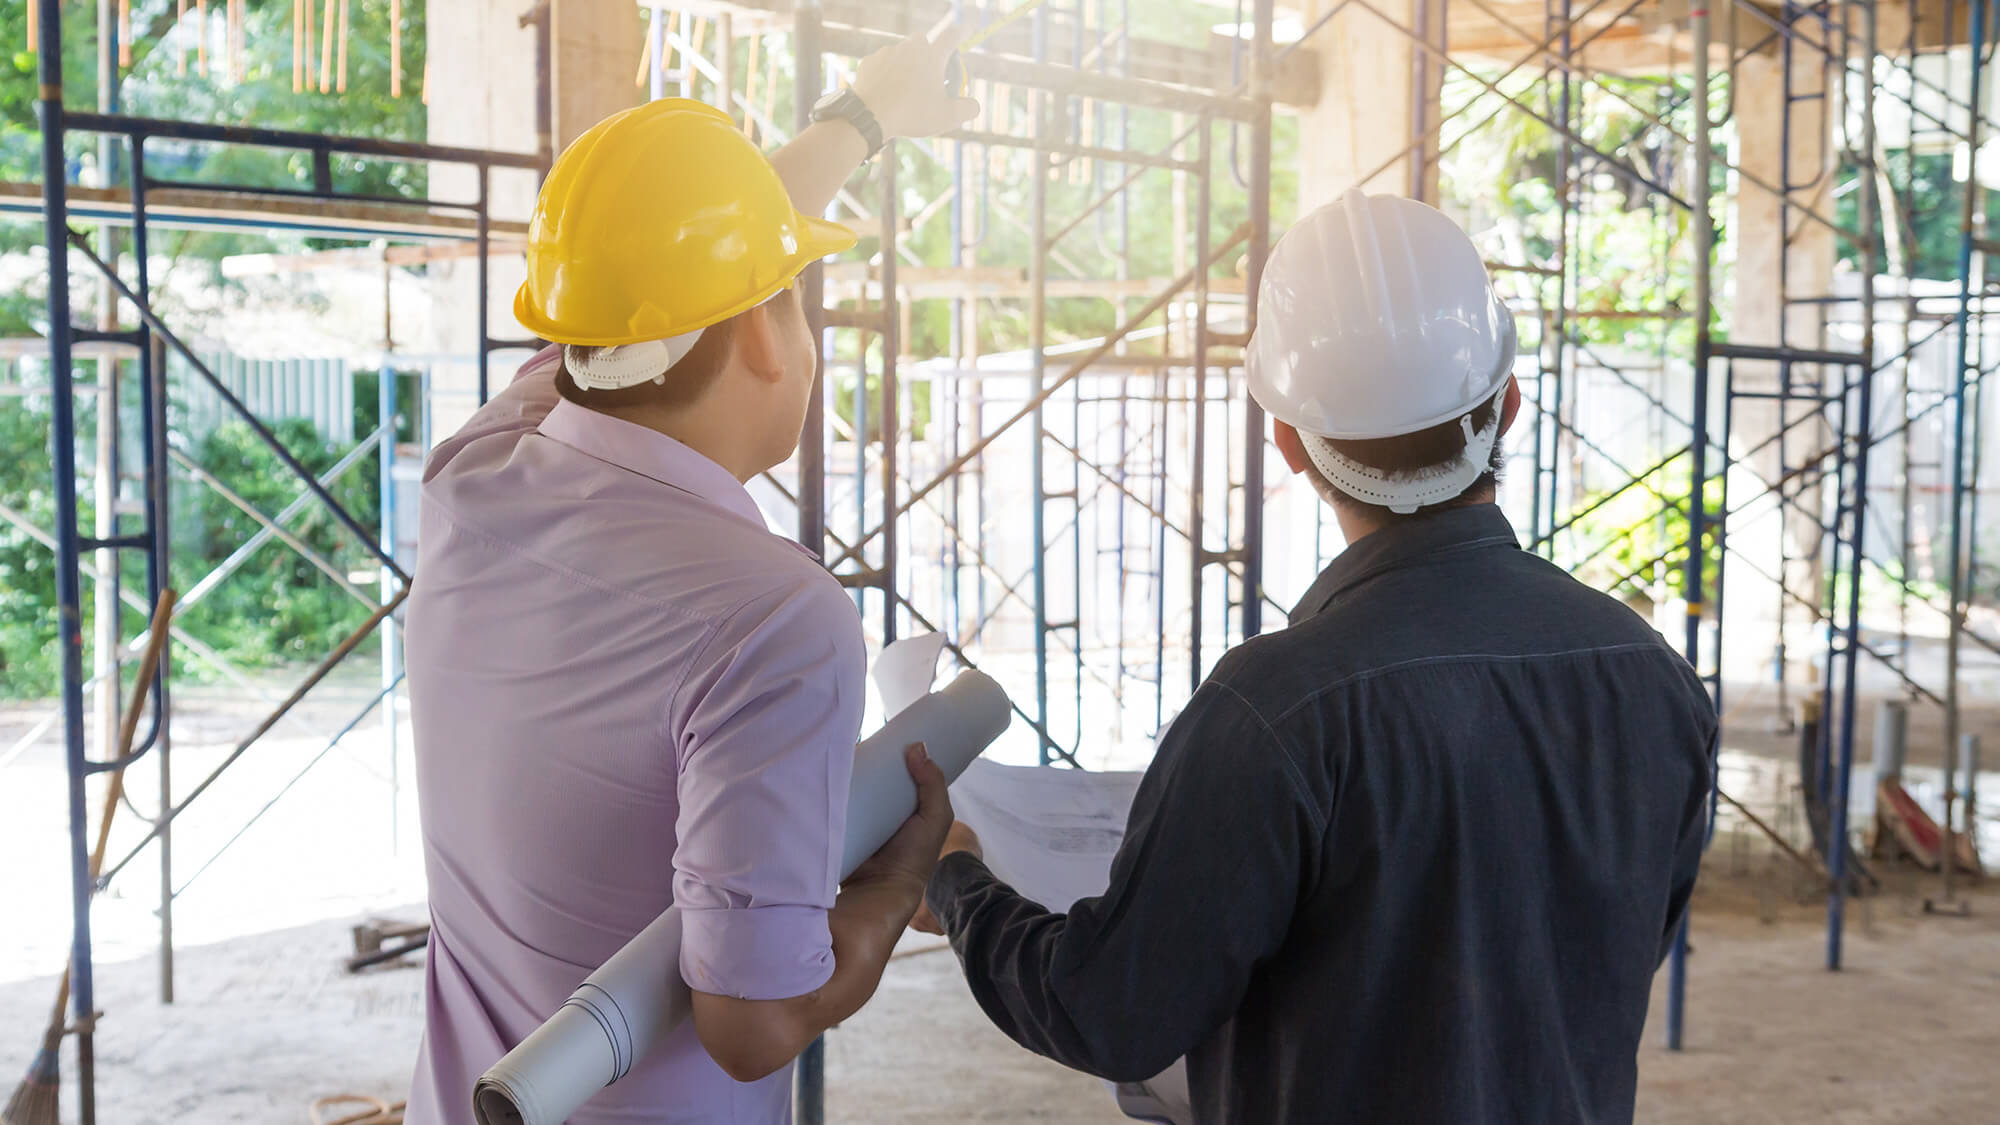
1405 493
613 369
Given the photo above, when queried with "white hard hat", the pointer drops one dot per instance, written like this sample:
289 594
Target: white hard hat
1376 318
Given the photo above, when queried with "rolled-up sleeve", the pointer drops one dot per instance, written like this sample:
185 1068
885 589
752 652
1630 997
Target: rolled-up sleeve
769 718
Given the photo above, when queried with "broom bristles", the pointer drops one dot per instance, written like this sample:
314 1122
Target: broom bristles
35 1099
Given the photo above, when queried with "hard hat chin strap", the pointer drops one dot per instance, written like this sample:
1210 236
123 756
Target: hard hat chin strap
613 369
1405 493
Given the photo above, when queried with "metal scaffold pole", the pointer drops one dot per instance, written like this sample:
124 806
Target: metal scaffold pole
69 595
1958 581
1697 449
1863 436
1259 249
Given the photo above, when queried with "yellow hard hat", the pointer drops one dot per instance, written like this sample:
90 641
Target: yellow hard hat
661 220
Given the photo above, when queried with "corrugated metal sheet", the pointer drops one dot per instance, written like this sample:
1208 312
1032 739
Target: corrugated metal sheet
318 390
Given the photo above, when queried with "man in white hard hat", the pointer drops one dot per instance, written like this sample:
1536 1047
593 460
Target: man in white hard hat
627 692
1416 857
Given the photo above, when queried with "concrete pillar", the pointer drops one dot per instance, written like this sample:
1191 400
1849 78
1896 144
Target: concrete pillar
1782 256
482 94
1369 108
596 47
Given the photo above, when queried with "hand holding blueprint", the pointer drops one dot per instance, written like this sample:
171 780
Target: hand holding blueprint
1051 835
630 1004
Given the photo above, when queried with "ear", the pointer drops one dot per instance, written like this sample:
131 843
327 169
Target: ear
1511 407
1286 437
758 346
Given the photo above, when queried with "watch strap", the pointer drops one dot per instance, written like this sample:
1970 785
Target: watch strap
847 106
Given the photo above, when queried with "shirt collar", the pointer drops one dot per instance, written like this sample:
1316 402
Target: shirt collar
650 454
1407 543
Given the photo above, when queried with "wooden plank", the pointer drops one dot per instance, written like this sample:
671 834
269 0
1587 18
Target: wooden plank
168 207
847 280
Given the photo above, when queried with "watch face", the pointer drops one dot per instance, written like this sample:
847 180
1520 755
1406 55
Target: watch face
827 102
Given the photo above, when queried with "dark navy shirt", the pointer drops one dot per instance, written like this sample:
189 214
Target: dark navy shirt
1414 858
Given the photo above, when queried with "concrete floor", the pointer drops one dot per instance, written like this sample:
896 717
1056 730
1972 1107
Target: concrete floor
1908 1032
266 1020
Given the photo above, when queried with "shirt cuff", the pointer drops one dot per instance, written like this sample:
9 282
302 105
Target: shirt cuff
756 952
953 876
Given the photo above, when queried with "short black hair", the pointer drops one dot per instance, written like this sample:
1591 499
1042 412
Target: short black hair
690 379
1409 455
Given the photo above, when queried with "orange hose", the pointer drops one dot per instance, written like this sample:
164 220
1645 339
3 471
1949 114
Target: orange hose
693 53
341 85
672 52
326 50
298 45
125 33
395 48
201 41
750 87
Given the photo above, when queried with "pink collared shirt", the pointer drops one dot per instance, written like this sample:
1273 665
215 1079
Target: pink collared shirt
627 692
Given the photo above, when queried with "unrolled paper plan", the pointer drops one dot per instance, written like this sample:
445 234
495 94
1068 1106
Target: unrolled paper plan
1051 835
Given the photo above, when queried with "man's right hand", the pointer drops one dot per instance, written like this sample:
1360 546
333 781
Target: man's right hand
903 85
750 1039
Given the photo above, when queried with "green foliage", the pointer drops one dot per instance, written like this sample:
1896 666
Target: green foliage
28 651
1646 529
154 86
1927 208
1626 244
277 608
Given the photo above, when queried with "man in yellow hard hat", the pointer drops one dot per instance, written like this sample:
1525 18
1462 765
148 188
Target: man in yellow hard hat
627 691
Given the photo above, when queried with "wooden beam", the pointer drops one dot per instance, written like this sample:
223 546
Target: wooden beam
194 207
848 280
258 265
1204 68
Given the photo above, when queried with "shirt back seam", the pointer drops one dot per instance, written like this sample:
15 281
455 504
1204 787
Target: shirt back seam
1462 658
571 573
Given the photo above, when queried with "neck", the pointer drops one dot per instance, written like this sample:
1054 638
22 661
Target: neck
706 431
1357 524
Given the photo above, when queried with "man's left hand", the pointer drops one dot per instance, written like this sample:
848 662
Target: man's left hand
903 85
961 838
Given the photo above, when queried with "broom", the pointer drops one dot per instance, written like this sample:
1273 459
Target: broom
35 1099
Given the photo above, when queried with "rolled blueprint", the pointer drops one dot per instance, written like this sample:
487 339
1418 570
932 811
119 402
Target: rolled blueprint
630 1004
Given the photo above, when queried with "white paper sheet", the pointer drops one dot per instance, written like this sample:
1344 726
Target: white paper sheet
905 671
1051 834
627 1007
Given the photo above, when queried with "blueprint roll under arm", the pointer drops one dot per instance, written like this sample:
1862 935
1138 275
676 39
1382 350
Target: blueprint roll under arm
630 1004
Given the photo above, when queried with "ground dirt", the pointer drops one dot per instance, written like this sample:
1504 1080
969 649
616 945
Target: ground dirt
1907 1031
266 1020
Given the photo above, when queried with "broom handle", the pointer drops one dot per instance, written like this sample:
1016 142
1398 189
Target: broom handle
149 663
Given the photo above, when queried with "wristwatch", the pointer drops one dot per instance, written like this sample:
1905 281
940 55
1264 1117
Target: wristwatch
846 105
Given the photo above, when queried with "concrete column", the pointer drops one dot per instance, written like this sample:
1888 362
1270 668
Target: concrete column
1781 257
482 94
1369 108
596 48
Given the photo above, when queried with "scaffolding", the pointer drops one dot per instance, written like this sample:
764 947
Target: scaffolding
1032 434
320 205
